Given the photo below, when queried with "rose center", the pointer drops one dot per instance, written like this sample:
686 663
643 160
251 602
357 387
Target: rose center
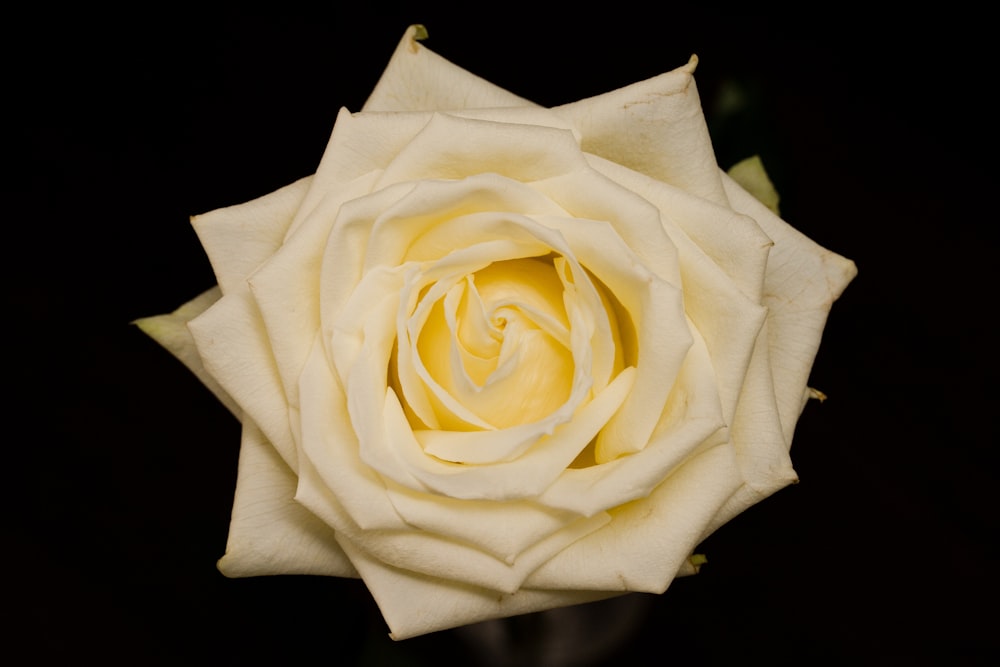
498 344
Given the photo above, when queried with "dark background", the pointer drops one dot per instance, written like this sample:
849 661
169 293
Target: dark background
121 466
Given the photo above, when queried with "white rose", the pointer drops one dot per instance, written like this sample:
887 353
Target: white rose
495 358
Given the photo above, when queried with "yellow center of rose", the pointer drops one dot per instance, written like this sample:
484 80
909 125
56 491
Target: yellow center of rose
498 343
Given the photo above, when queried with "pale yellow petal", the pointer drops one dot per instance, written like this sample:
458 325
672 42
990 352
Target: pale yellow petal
417 79
270 533
803 280
171 331
240 238
233 344
414 604
655 127
650 539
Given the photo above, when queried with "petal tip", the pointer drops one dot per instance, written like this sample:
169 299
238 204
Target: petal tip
415 33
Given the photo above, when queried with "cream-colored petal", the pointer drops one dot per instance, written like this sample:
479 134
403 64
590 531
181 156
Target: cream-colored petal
691 422
461 561
452 147
761 447
733 241
286 287
803 280
346 250
648 540
413 604
657 313
655 127
240 238
723 261
359 148
269 532
171 331
417 79
589 194
332 478
503 529
524 477
234 347
437 217
386 537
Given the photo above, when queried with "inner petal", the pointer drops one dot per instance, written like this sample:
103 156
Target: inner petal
498 342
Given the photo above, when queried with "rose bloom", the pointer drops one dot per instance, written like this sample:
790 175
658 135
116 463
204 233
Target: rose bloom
494 358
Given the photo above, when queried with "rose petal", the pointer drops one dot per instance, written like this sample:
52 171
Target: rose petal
414 604
691 422
524 477
503 529
723 276
171 331
803 280
360 147
424 551
648 540
270 533
451 147
733 241
417 79
655 127
465 563
761 445
233 343
657 313
240 238
286 287
332 478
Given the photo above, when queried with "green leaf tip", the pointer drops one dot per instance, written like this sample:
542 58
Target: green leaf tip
696 561
751 175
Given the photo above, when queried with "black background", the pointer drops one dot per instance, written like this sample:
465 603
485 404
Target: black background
121 467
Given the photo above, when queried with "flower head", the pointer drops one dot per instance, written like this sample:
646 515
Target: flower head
495 358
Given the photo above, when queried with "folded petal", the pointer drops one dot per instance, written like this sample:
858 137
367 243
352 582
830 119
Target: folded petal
415 604
803 280
655 127
649 540
270 533
240 238
417 79
171 331
234 346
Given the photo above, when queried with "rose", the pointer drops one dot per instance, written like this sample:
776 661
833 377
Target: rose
495 358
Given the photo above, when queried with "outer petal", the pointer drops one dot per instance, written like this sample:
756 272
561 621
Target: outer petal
240 238
286 286
733 241
802 282
608 562
270 533
171 331
414 604
648 540
761 446
417 79
723 256
803 279
655 127
233 343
